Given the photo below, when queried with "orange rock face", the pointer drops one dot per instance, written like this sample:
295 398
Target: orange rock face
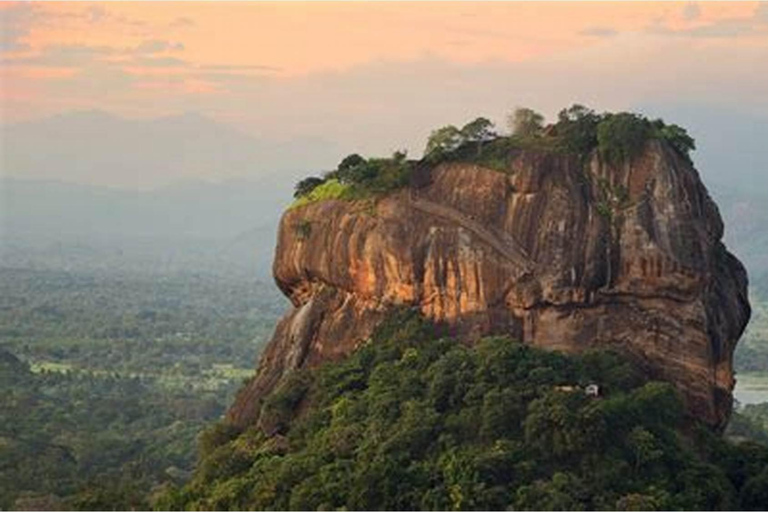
555 253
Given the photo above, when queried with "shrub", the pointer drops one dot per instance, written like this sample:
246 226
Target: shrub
216 435
525 122
577 126
442 141
331 189
621 137
354 169
677 137
306 186
303 229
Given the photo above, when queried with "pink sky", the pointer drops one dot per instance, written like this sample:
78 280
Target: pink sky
389 69
179 48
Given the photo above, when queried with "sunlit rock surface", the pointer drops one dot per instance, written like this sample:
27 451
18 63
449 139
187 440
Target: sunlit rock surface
557 253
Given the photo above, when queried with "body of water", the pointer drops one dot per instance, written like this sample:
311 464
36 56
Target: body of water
751 388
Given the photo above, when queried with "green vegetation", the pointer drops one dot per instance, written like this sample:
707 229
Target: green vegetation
750 423
356 178
442 141
306 186
78 435
621 137
480 130
108 380
330 189
676 136
375 175
618 137
604 210
577 126
445 141
303 229
415 421
525 122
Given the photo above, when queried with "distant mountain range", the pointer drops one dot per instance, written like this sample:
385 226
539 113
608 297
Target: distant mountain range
102 149
228 226
745 216
187 192
182 191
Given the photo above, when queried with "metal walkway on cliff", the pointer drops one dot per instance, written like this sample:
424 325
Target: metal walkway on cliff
504 243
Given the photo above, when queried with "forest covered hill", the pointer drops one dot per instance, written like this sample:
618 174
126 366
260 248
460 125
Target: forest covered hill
120 346
413 422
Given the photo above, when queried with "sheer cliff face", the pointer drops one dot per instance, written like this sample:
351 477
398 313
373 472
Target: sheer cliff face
555 253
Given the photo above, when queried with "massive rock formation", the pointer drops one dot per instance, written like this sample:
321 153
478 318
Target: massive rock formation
556 252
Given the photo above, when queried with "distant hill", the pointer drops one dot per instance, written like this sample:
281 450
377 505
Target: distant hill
222 190
746 231
193 225
101 149
91 190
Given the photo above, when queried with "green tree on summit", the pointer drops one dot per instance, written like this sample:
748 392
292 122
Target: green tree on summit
621 137
577 125
676 136
478 131
353 169
442 141
306 186
525 122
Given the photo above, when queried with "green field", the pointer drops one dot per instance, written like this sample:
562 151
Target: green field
108 380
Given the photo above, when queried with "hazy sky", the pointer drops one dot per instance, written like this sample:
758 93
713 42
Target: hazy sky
375 77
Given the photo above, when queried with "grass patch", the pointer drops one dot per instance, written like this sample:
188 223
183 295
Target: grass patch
331 189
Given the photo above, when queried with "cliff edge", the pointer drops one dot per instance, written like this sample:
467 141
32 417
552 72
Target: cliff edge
559 251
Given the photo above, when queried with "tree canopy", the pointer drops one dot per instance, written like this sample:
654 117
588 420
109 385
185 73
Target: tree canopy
525 122
416 421
443 140
307 185
481 129
617 137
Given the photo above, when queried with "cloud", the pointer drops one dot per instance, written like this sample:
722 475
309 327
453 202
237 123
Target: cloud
157 62
730 28
158 46
11 39
62 56
233 67
183 21
691 11
96 13
382 106
100 14
761 13
76 55
92 82
17 21
723 28
599 32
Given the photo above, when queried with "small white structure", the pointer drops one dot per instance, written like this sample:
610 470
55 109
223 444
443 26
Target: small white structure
592 390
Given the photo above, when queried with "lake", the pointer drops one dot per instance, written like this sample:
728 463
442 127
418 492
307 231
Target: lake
751 388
